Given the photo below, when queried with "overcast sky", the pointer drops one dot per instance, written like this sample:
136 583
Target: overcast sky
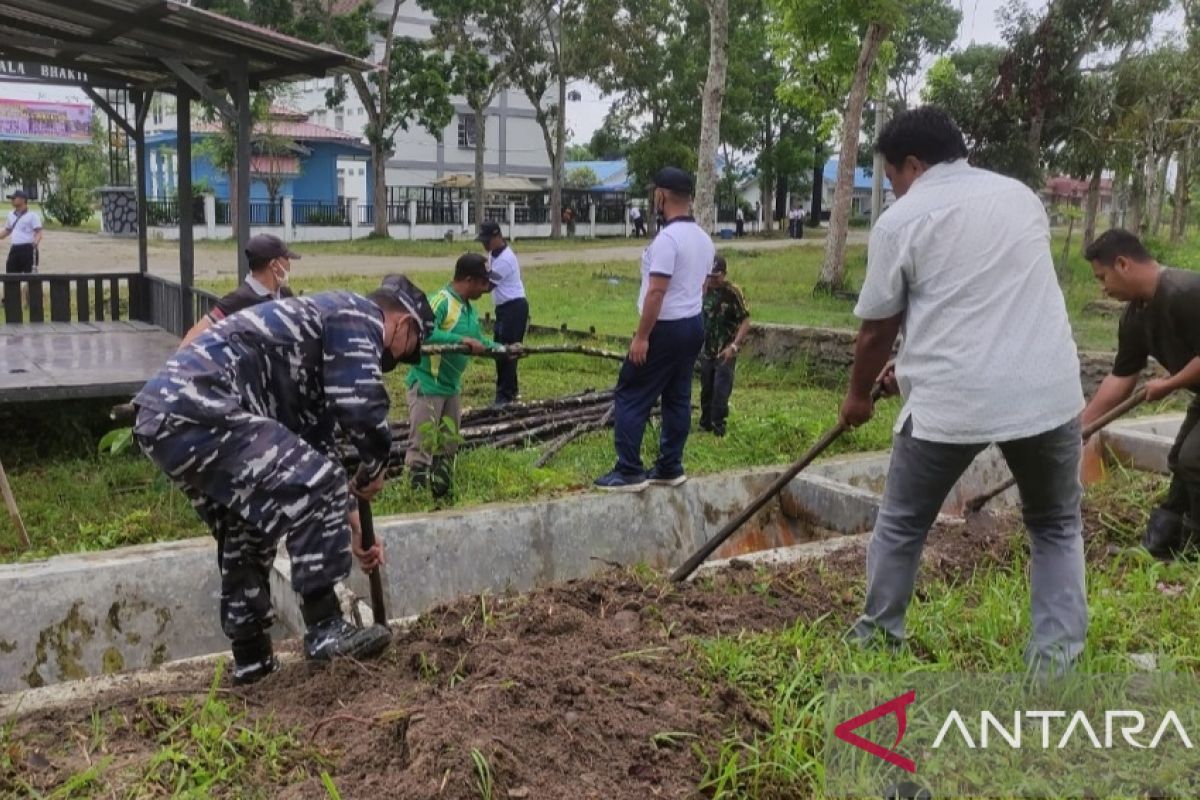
978 26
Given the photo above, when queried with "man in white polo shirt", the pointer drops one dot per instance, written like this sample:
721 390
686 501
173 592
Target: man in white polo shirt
512 307
669 336
25 228
961 263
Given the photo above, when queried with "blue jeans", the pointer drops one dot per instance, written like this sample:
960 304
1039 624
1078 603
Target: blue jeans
921 475
667 374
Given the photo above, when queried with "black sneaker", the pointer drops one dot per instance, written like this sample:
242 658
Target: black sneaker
253 659
657 477
335 637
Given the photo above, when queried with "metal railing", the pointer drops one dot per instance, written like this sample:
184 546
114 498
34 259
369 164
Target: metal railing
397 214
165 211
527 215
320 212
265 212
72 298
101 297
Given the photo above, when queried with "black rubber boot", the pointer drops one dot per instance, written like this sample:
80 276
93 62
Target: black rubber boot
441 477
1163 533
253 659
329 636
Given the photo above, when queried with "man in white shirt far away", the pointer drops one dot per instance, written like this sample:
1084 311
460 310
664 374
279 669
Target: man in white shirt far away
670 333
25 228
512 307
961 263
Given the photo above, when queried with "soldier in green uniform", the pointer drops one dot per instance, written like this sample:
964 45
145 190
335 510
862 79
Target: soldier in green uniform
726 323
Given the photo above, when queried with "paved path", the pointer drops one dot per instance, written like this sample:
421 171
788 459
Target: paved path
66 251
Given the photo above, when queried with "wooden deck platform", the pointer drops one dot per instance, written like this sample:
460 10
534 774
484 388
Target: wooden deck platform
62 360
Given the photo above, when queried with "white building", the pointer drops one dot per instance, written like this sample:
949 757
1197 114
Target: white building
514 143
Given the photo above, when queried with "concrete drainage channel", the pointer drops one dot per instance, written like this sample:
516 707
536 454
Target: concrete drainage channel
76 617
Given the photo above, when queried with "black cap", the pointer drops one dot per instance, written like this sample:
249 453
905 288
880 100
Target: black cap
18 193
265 247
471 265
719 266
409 295
673 179
487 231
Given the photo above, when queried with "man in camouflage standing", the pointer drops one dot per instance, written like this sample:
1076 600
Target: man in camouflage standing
243 421
726 324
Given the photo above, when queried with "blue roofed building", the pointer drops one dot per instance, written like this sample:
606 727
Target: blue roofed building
291 157
860 205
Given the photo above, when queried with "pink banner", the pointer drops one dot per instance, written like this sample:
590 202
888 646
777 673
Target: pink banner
33 121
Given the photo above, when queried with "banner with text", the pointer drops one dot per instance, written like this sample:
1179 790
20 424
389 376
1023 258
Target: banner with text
55 123
976 735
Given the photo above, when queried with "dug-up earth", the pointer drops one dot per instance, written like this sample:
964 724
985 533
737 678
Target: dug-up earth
565 692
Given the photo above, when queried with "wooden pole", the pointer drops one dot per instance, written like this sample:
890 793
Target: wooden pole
13 511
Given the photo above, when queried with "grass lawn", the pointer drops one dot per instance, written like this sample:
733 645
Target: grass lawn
92 225
74 499
424 248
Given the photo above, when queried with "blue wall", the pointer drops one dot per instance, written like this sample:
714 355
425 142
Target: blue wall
317 179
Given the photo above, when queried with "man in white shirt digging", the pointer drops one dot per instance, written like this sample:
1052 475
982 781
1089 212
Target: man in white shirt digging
961 263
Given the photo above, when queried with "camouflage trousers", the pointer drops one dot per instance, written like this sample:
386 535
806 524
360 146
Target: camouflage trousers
254 482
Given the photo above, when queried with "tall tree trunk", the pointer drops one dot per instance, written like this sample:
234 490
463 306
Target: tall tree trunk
1182 192
1117 204
1160 195
767 178
710 112
379 192
833 270
1092 210
479 111
818 188
557 155
1137 194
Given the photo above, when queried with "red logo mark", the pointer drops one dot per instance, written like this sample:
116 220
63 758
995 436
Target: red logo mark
894 706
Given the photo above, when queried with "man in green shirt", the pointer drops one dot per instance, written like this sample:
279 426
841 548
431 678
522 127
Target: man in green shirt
726 323
435 384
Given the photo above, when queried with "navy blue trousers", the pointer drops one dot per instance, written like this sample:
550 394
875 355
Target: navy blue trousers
512 319
667 374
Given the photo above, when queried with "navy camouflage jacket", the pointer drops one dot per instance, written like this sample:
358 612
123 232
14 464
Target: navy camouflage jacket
311 363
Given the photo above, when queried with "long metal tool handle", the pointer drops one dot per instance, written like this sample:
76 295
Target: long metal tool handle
731 527
13 511
976 504
367 522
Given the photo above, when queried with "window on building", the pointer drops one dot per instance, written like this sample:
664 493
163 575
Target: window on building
466 131
339 122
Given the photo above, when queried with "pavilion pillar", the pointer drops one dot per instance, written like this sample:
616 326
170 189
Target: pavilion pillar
141 103
183 180
241 101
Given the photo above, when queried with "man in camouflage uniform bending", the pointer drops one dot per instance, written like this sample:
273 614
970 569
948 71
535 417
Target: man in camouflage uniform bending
243 421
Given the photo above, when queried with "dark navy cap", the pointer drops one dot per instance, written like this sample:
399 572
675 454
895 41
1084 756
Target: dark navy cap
674 179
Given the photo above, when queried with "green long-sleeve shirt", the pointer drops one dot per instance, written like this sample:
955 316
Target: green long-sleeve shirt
454 319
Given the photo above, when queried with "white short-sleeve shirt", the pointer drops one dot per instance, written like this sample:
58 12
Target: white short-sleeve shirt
506 277
23 226
987 353
683 252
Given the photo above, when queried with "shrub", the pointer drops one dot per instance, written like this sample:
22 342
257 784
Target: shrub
69 209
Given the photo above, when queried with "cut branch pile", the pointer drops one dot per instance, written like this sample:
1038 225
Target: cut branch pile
513 426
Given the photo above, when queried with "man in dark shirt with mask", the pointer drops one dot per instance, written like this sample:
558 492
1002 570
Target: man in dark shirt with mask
1161 320
243 421
270 270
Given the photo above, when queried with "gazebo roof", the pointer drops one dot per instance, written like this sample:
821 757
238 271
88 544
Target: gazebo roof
129 44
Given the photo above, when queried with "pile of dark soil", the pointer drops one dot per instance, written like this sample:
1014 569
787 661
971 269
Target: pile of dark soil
566 692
